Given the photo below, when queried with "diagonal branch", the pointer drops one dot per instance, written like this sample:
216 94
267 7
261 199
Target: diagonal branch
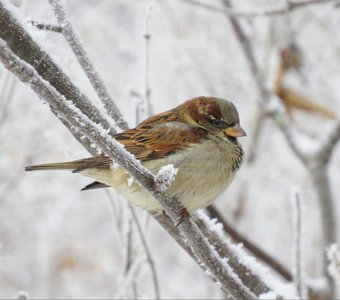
80 53
270 11
329 144
147 252
47 27
254 249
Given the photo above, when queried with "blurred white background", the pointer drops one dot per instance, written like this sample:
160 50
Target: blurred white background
58 242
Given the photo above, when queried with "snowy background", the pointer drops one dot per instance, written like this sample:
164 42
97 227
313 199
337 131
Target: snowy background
57 242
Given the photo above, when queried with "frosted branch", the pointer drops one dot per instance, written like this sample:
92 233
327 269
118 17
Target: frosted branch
296 207
89 69
165 176
329 144
47 27
281 120
147 37
251 247
22 295
271 11
224 249
333 256
148 254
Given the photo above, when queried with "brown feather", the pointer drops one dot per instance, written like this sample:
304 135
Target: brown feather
145 145
156 137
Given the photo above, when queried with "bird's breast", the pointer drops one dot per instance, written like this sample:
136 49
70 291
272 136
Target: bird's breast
205 170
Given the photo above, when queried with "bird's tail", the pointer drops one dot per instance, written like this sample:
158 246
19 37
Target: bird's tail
71 165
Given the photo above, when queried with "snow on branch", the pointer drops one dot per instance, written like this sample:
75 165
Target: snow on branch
250 246
247 267
165 176
333 256
89 69
216 267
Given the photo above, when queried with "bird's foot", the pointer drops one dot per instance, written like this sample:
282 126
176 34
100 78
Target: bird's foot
182 217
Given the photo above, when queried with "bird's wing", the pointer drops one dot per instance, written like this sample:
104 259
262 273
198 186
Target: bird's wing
160 140
147 142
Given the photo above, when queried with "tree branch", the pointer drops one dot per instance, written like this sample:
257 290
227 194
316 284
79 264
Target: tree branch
297 232
255 250
265 12
86 64
325 152
148 253
47 27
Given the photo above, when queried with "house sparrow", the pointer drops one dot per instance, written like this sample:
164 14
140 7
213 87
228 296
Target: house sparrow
198 137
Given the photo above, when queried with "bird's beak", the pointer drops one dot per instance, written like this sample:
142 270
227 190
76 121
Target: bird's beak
235 131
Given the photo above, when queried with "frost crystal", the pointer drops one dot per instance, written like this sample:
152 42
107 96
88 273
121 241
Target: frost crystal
334 263
165 176
114 166
130 181
22 295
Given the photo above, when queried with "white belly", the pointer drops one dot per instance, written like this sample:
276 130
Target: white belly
201 177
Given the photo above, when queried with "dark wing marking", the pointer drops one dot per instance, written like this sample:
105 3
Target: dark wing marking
94 185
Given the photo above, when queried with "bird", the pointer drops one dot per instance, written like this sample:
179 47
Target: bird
199 138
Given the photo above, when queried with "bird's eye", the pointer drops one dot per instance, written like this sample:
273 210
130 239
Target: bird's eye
218 123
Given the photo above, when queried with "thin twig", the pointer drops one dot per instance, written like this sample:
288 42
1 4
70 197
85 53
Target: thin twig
128 243
118 218
296 205
256 135
47 27
270 11
281 120
22 295
148 253
333 256
7 92
128 278
325 152
129 247
87 65
147 37
129 257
